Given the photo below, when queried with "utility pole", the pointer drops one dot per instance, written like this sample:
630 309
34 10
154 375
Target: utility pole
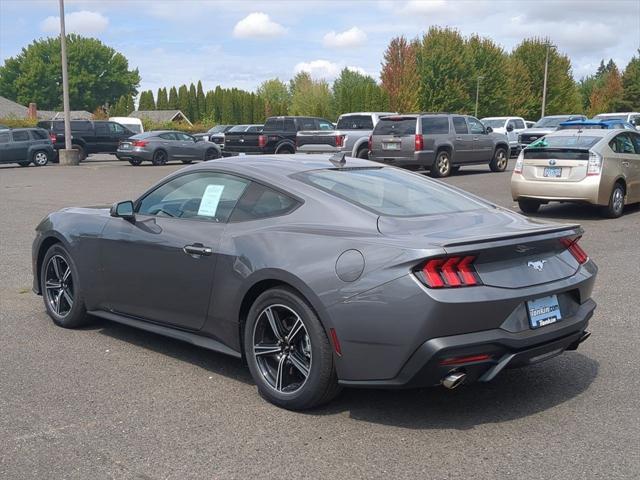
68 156
477 93
544 84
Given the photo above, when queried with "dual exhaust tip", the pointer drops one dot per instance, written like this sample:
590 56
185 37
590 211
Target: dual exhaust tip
453 380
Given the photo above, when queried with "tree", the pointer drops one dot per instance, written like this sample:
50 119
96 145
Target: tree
201 101
162 102
146 101
98 75
488 65
194 114
608 95
310 97
399 75
631 85
275 97
183 101
355 92
562 92
444 71
518 86
173 99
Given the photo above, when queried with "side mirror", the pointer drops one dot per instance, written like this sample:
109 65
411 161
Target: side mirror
489 129
123 210
509 128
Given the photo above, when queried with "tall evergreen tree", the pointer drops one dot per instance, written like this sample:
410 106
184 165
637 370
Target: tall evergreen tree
631 85
173 99
162 102
201 101
146 101
183 101
194 114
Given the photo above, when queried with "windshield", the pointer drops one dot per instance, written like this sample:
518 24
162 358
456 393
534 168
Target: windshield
496 123
565 141
389 191
239 128
395 126
217 129
550 121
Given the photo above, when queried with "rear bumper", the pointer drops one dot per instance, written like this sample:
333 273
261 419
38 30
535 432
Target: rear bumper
584 191
506 349
422 159
134 153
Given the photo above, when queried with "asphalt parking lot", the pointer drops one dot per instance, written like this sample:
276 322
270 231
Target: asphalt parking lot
109 401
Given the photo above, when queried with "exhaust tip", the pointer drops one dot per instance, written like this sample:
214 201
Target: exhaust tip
453 380
584 336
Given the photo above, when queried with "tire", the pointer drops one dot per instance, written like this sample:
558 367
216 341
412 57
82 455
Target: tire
186 162
82 153
455 169
284 149
529 205
135 161
499 161
615 208
211 154
278 366
441 165
159 158
24 164
363 153
40 158
68 310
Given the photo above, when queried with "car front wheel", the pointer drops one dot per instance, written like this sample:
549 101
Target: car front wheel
288 353
40 158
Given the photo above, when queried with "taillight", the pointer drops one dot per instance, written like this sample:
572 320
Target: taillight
519 162
576 250
594 167
53 137
140 143
419 142
449 272
370 145
339 140
467 359
262 141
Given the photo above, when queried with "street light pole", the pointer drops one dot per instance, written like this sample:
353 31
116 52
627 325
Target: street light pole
477 94
544 83
68 156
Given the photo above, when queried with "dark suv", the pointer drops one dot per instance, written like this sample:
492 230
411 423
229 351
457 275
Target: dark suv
26 145
99 136
438 142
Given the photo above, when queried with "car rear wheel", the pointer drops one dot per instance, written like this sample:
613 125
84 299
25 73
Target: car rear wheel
442 165
40 158
135 161
528 205
211 154
616 202
363 153
499 161
60 287
284 149
159 158
288 353
82 153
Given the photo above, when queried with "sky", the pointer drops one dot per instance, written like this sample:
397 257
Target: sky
241 43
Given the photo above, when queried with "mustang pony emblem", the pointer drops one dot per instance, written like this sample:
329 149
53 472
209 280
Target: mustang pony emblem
538 265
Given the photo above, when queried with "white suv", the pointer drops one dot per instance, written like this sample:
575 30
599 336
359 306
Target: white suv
509 126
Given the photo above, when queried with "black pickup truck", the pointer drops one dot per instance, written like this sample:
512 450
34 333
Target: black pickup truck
88 136
277 136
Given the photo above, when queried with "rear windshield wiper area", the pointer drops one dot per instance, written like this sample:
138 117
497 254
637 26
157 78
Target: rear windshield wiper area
556 153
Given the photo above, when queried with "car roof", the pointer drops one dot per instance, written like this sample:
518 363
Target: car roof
589 133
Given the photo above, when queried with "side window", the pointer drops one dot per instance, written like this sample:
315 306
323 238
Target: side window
519 124
475 126
39 134
622 144
4 137
289 125
262 202
168 136
184 137
460 125
634 120
635 139
324 125
20 136
307 123
435 125
116 127
206 196
511 124
101 129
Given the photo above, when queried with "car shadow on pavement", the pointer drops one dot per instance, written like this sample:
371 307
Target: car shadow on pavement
514 394
573 211
213 362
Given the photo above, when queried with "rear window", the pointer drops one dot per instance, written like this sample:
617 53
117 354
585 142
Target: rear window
274 125
355 122
390 191
565 141
395 126
435 125
239 128
580 126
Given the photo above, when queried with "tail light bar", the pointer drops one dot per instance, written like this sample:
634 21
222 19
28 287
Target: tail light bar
370 144
262 141
139 143
339 140
53 137
449 272
419 142
576 250
519 162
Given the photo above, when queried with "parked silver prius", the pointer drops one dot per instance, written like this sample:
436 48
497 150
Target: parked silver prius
599 167
162 146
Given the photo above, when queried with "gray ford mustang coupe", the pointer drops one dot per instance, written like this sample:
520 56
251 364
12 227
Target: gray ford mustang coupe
322 273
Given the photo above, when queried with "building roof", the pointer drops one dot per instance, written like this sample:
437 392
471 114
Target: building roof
75 115
161 116
11 109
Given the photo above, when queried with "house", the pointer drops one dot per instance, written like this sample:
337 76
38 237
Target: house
11 109
161 116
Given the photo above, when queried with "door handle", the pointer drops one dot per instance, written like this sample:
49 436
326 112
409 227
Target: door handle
625 164
197 249
475 138
458 138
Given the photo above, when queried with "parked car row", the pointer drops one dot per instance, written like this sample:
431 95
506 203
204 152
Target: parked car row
26 146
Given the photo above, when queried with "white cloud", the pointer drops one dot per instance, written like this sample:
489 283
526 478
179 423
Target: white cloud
83 22
324 69
354 37
258 25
